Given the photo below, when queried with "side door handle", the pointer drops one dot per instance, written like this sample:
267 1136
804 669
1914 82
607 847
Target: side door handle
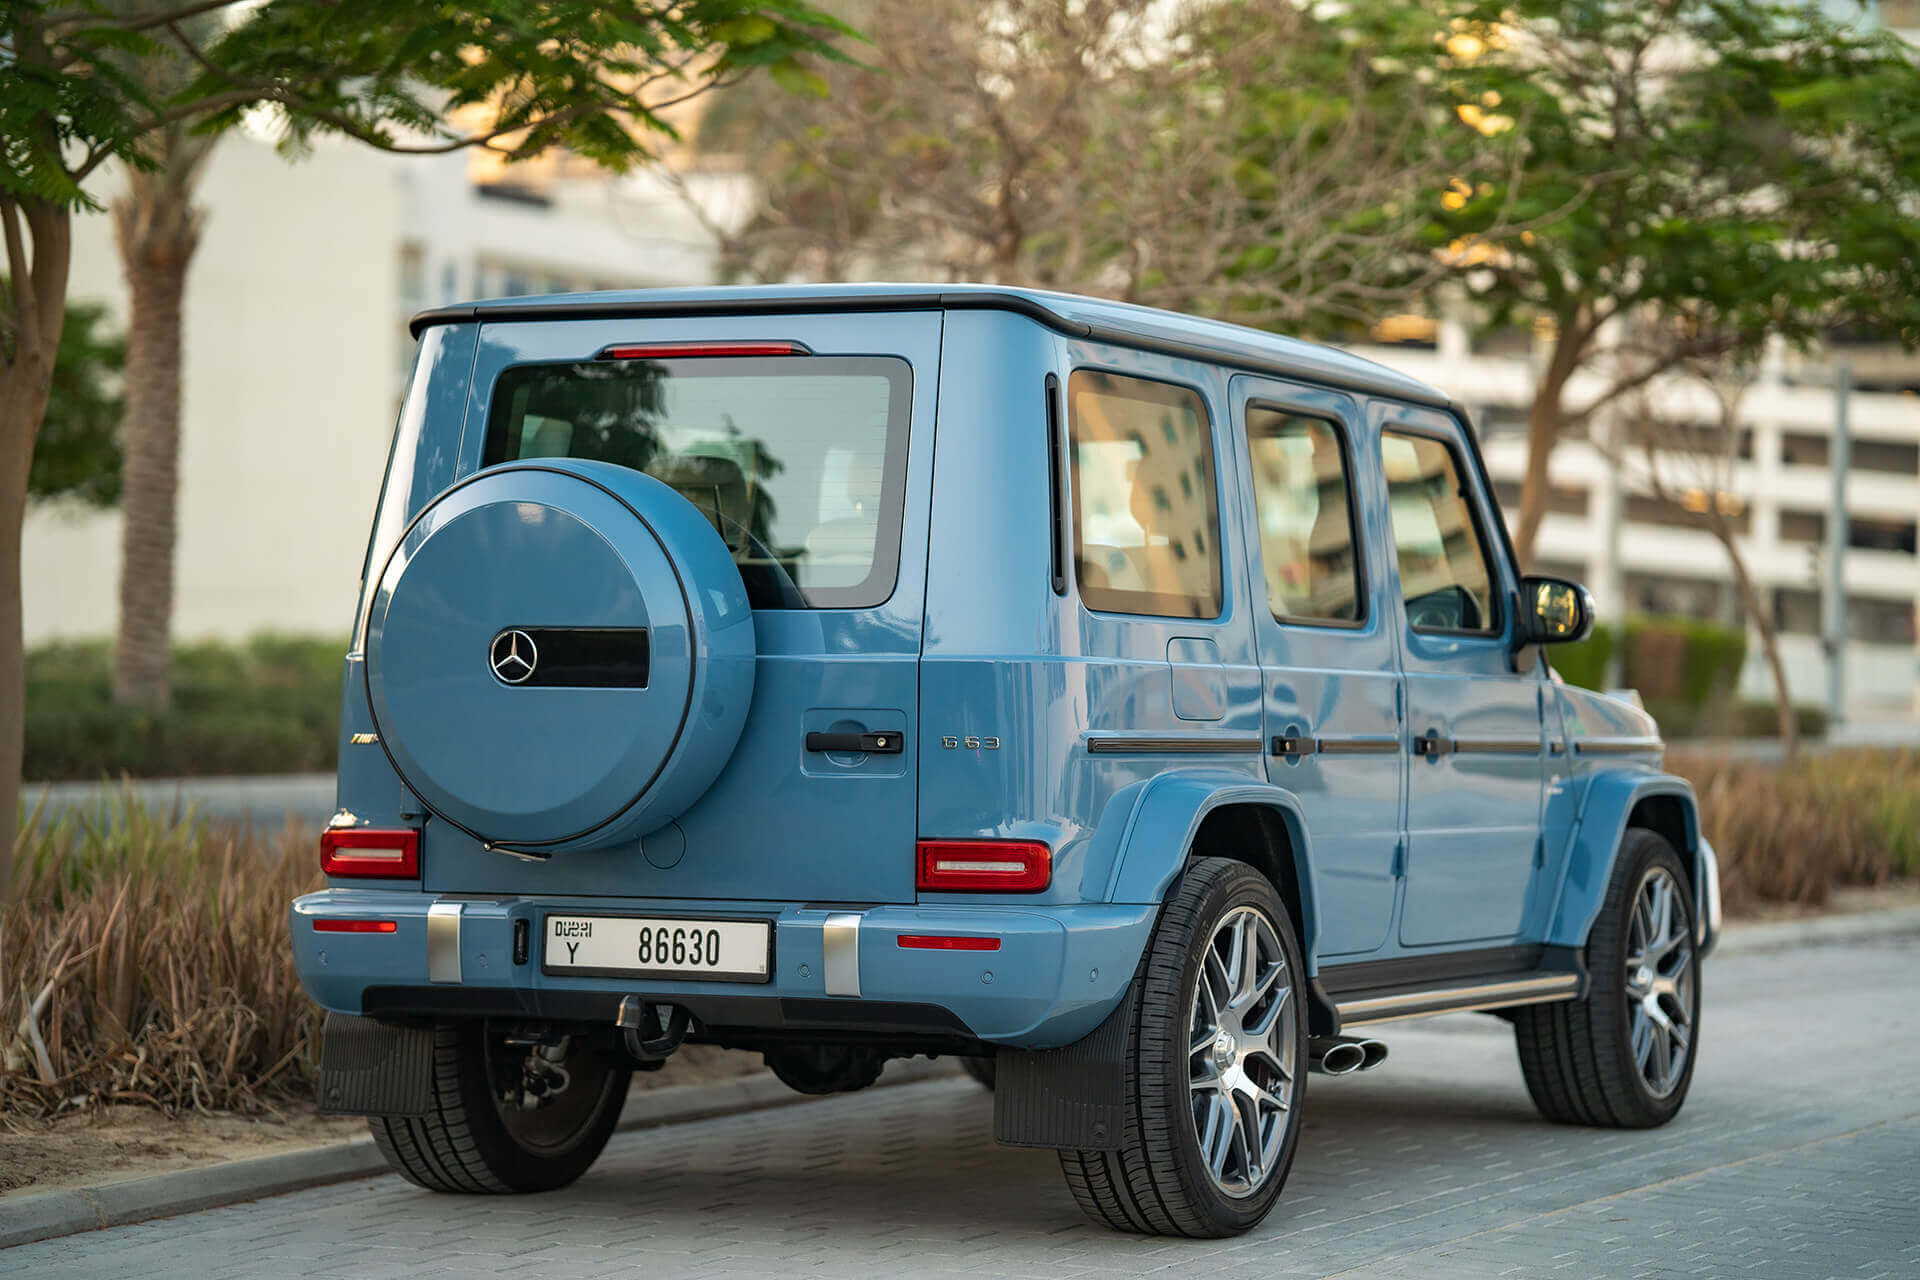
1431 743
884 743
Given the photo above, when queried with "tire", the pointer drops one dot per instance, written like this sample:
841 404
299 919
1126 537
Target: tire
1161 1181
472 1143
1597 1061
981 1069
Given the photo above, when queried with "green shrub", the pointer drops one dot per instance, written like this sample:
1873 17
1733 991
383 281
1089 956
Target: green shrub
270 705
1585 663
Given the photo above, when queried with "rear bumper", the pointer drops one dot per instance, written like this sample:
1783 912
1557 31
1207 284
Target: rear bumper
1059 969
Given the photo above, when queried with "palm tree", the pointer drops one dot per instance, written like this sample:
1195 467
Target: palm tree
157 227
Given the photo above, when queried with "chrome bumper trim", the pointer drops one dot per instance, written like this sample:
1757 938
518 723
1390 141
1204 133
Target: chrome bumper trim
443 942
1706 904
840 954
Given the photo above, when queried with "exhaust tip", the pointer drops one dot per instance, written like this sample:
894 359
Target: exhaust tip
1343 1059
1373 1053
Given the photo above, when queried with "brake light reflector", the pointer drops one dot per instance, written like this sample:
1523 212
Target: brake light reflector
691 350
947 942
359 851
353 926
983 866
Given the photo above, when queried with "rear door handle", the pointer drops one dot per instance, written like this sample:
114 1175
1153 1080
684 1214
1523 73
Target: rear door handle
1432 744
883 743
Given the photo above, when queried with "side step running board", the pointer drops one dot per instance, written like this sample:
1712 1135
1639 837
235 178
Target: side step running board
1361 1008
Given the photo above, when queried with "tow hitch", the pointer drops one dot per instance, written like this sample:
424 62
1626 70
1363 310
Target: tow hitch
651 1032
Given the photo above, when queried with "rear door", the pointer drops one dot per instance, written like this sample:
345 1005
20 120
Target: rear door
1476 774
815 466
1325 634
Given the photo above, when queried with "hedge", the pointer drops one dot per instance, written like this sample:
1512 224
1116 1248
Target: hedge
268 705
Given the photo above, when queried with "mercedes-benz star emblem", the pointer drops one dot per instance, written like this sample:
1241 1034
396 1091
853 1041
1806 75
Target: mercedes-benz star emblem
513 657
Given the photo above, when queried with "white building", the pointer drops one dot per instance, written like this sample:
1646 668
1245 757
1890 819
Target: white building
1781 485
296 349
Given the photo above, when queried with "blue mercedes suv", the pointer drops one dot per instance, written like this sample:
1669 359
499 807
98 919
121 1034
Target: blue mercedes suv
1131 705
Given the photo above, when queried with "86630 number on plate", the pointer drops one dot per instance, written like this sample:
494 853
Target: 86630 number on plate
658 946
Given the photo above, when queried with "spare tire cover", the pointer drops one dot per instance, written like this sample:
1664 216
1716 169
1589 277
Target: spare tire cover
559 654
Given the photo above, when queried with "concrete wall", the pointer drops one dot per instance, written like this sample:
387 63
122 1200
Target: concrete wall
290 393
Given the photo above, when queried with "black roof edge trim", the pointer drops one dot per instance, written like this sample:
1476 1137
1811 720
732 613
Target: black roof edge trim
1018 304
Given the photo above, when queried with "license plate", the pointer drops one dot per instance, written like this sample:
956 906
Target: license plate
659 947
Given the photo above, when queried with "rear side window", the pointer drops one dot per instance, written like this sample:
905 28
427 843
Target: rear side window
1145 521
799 461
1444 574
1304 498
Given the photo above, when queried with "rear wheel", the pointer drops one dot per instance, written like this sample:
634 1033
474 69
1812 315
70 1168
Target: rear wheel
981 1069
506 1117
1216 1065
1623 1057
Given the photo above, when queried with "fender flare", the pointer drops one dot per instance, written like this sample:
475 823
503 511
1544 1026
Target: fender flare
1595 846
1160 828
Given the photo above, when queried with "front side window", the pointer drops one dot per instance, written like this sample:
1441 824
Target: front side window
1445 576
1304 503
799 461
1145 521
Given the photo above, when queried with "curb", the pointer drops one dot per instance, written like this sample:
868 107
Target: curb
1781 935
49 1214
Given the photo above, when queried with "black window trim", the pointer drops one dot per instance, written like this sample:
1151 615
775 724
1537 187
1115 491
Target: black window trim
890 537
1343 438
1221 576
1496 589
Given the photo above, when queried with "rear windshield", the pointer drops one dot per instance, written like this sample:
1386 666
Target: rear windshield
799 461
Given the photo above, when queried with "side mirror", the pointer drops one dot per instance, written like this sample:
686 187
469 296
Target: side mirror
1554 611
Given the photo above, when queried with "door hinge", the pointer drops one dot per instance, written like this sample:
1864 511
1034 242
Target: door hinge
1399 858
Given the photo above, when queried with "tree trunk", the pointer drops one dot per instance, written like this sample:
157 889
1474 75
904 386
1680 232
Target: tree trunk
1544 421
1769 643
1543 431
25 380
157 229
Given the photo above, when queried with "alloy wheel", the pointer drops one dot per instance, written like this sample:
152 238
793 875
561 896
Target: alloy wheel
1242 1048
1662 998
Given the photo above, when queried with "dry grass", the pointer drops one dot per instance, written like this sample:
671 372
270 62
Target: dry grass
146 960
1793 834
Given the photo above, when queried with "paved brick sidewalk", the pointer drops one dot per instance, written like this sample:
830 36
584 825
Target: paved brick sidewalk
1798 1155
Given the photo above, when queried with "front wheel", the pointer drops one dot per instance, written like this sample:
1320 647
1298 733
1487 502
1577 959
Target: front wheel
1216 1073
1623 1057
508 1116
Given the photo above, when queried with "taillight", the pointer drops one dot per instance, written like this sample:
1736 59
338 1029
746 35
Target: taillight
325 925
947 942
983 866
359 851
690 350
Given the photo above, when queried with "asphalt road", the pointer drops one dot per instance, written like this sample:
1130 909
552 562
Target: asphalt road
1798 1155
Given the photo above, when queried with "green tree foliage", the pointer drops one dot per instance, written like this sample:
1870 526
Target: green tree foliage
79 451
519 77
1264 161
1723 170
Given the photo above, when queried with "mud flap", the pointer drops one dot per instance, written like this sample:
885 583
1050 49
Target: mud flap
1073 1097
372 1068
